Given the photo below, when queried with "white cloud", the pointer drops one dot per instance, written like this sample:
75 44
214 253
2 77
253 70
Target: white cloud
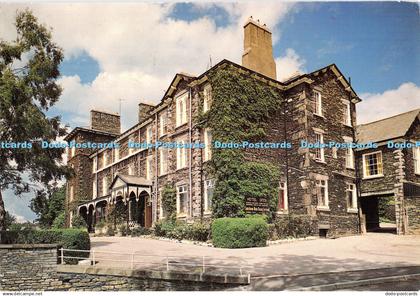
139 48
289 64
391 102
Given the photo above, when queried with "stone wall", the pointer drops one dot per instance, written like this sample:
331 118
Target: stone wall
28 267
412 206
106 122
34 267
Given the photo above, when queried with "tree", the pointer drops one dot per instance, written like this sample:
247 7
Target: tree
48 204
26 92
9 219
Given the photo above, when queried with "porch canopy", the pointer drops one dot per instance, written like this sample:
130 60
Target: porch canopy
125 186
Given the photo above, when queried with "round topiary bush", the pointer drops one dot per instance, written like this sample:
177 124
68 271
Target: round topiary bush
239 232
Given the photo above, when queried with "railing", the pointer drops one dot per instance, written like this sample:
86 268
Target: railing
167 263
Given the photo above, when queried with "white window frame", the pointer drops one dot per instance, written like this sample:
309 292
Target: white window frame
131 169
380 168
163 123
416 159
181 109
318 103
318 184
283 187
94 165
149 167
131 139
184 189
73 151
351 187
207 144
94 189
181 156
207 94
161 214
116 154
104 186
163 161
349 154
105 158
207 184
321 149
347 113
149 135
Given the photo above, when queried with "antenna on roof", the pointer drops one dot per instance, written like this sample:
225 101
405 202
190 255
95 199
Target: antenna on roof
120 100
210 63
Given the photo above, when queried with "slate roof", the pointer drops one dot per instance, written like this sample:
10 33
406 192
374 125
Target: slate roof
387 128
132 180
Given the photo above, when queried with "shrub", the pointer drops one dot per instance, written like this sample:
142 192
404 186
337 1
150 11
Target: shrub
59 221
239 232
78 222
196 231
139 231
293 226
76 239
110 230
123 230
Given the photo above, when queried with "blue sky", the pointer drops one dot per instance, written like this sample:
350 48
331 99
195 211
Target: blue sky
132 51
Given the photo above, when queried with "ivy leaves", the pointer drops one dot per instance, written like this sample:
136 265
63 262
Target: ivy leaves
241 109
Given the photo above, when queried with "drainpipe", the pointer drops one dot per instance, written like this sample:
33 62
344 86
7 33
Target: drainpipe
191 150
154 214
357 172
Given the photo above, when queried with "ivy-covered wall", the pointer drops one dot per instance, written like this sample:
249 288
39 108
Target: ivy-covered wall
242 107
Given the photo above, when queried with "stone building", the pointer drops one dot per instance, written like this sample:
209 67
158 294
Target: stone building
391 171
319 183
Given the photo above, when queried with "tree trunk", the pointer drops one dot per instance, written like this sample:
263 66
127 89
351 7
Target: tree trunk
2 213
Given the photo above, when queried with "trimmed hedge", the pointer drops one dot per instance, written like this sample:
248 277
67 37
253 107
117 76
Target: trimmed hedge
291 226
196 231
239 232
67 238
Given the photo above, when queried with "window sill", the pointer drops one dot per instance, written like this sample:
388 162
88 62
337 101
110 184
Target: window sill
320 161
322 208
181 125
347 125
373 177
350 168
352 210
319 115
283 212
207 213
181 216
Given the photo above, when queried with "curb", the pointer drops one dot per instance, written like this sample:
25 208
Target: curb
344 285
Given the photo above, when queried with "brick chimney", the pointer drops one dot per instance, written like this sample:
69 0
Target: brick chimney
105 122
144 111
258 49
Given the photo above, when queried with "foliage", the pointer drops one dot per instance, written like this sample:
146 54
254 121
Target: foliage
196 231
123 230
48 204
292 226
29 68
241 109
239 232
9 219
78 222
386 209
139 231
110 230
169 201
59 221
76 239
